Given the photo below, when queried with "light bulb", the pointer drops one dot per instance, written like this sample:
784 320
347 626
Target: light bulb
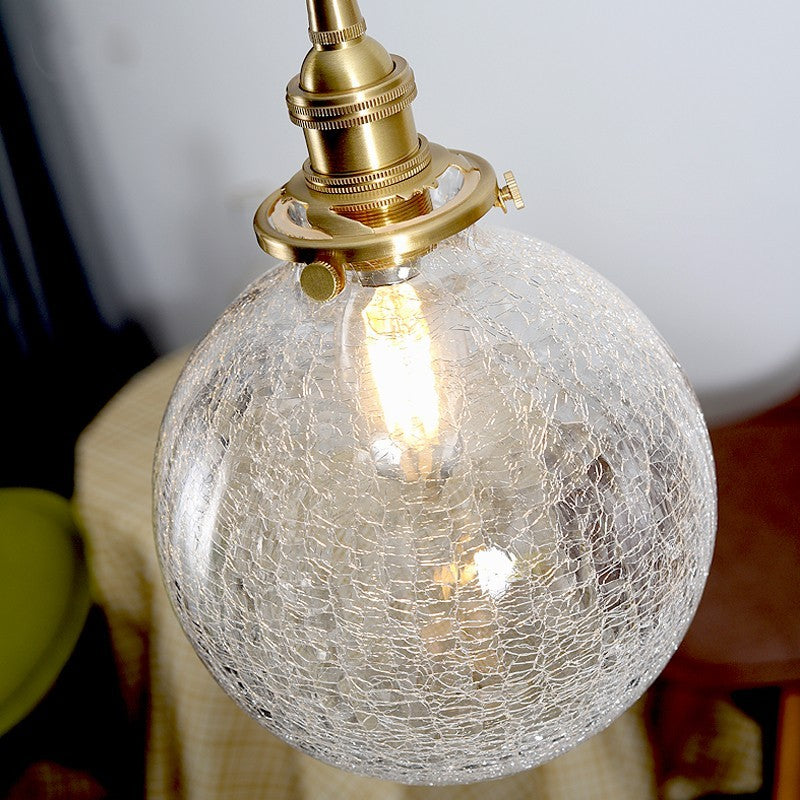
399 349
399 359
444 526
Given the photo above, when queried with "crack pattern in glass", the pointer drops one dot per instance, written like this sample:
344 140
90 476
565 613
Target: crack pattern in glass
438 530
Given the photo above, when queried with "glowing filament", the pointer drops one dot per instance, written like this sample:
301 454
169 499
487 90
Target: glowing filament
399 347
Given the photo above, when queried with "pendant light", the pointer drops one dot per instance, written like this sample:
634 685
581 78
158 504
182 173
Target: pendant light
434 502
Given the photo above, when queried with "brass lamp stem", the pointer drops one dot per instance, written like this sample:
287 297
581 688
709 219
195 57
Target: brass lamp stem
333 19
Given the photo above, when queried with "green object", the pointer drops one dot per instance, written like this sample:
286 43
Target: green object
44 597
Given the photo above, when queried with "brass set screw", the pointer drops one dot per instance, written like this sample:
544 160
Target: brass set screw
321 281
510 193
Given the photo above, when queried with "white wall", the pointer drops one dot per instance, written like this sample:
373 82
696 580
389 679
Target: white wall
656 141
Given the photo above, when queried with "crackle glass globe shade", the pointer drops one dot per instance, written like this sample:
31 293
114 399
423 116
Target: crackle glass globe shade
445 526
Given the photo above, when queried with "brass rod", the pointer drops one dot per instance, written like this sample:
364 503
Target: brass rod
332 15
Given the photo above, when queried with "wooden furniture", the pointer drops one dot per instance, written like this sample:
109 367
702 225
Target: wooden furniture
747 630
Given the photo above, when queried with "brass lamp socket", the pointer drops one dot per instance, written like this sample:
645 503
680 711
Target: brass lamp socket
362 200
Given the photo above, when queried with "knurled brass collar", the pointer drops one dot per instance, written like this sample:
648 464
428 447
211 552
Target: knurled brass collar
340 36
337 110
331 22
369 181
